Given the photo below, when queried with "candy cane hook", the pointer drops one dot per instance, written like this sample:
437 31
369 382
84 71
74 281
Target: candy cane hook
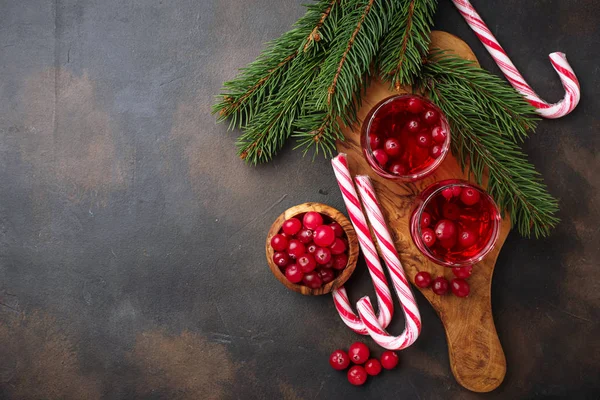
384 296
558 60
388 251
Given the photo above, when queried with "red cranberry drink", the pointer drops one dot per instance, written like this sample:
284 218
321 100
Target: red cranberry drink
455 224
405 137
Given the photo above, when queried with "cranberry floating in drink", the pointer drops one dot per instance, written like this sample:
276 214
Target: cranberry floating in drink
405 137
455 224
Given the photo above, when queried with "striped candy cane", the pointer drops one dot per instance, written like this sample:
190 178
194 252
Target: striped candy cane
558 60
388 251
340 297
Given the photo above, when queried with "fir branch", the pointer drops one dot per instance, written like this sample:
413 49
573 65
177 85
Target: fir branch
243 97
487 119
360 30
406 44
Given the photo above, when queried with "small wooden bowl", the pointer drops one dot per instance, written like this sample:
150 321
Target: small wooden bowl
350 235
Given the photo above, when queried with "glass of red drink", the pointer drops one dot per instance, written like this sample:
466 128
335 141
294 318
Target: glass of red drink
455 223
405 137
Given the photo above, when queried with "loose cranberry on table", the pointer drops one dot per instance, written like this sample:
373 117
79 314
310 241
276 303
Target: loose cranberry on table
312 220
359 353
423 279
373 367
463 272
389 360
357 375
460 287
339 360
440 286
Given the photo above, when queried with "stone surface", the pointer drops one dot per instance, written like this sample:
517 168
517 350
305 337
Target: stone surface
131 236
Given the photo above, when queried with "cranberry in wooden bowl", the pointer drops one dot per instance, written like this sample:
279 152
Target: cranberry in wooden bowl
405 137
455 223
312 248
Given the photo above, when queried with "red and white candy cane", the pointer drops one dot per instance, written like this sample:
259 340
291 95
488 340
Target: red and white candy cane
388 251
558 60
340 297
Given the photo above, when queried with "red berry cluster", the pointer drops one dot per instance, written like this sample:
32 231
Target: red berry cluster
457 223
313 251
440 285
359 354
406 136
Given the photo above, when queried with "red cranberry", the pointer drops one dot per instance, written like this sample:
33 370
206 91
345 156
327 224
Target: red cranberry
381 157
460 287
311 248
440 286
373 367
447 193
312 220
337 229
312 280
431 117
322 255
438 134
338 246
295 248
428 236
279 243
294 273
340 261
445 229
463 272
305 236
389 359
292 226
425 219
307 263
435 151
398 169
423 279
359 353
329 264
456 191
467 238
357 375
451 211
339 360
326 274
413 126
469 196
374 141
392 147
414 105
424 139
281 259
324 236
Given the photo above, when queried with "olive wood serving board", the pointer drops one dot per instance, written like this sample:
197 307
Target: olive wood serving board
476 356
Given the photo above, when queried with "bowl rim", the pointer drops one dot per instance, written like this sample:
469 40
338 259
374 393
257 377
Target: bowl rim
337 216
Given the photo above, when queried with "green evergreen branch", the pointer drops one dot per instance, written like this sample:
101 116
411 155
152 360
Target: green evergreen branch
406 43
485 139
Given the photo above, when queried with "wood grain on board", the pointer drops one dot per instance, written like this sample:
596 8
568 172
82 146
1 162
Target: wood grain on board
476 356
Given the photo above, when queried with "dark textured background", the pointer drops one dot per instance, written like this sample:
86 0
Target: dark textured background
131 236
